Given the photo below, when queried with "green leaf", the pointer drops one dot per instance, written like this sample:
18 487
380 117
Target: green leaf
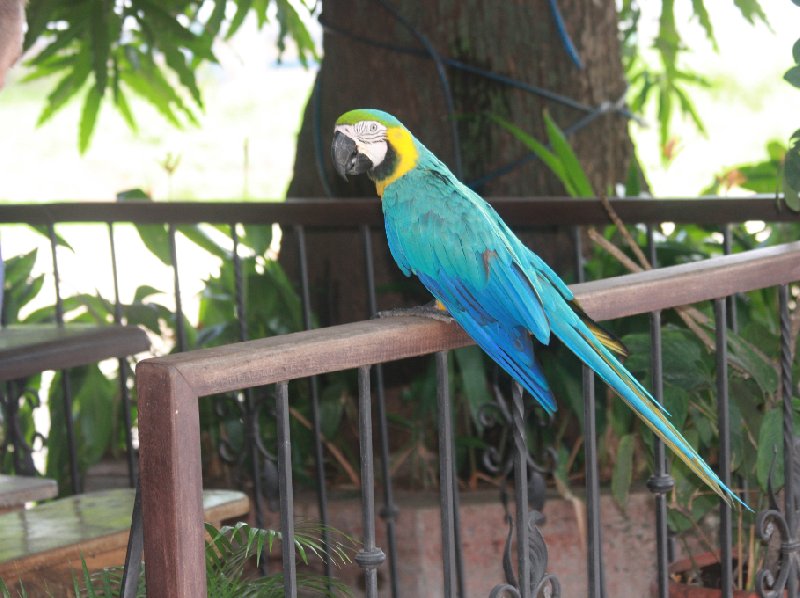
623 471
770 449
177 62
472 379
291 25
143 292
572 166
67 87
545 155
796 51
135 194
751 10
792 76
791 173
258 238
215 19
91 108
242 8
688 108
633 179
640 99
196 234
776 150
763 177
701 13
140 84
60 41
676 401
121 103
752 361
37 15
664 115
791 197
100 41
18 268
156 238
94 400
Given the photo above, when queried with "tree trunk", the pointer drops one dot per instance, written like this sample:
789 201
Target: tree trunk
514 39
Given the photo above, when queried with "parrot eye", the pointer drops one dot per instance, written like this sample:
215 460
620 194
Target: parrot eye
373 127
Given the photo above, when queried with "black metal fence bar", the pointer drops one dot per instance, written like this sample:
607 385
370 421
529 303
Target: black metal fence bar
66 387
249 406
594 541
521 489
389 510
790 551
316 422
370 557
286 490
725 519
122 365
180 329
660 482
446 475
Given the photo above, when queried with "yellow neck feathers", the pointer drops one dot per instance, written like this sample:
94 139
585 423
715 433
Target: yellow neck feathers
403 144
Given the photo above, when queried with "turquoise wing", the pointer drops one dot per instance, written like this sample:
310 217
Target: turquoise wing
461 256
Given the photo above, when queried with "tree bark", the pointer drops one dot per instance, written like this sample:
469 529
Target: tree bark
514 39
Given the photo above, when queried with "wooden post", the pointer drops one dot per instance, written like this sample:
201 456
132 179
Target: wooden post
171 483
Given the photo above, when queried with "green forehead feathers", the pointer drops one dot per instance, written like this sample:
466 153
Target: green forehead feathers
361 114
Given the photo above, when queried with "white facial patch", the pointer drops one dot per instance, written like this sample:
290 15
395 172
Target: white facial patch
369 137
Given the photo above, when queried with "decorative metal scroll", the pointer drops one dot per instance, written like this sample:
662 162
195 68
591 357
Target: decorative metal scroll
779 529
498 456
781 566
511 454
12 435
263 463
542 583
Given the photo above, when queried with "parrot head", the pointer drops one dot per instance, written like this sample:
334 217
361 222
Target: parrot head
372 142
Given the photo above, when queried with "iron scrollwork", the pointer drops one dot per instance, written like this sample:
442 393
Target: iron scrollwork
498 458
262 462
511 418
13 438
779 533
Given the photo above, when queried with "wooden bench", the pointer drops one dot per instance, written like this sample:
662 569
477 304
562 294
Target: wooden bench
16 490
48 541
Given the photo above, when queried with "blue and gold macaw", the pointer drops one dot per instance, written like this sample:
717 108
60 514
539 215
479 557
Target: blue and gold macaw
498 290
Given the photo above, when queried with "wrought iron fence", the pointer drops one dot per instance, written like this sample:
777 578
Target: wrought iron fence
169 389
359 216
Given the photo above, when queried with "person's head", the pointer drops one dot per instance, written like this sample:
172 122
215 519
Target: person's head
12 23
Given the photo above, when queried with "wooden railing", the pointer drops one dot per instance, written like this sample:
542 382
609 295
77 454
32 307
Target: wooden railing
169 389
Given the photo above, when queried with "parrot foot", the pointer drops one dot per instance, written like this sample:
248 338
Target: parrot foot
432 311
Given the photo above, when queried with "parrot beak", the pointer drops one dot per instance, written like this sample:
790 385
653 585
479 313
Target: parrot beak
346 157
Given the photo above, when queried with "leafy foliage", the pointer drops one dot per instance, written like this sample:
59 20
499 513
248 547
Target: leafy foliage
760 177
792 162
227 551
104 49
558 155
668 86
